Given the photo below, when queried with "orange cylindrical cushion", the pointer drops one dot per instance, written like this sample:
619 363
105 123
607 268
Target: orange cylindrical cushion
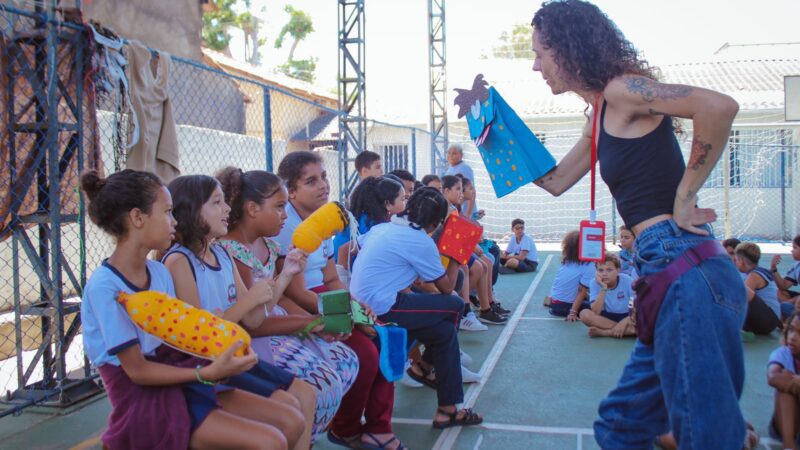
323 224
181 325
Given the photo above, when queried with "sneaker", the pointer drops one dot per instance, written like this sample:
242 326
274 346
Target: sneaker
470 323
407 380
468 376
466 360
498 308
474 300
491 316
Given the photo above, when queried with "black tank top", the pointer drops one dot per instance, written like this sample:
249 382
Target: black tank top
642 173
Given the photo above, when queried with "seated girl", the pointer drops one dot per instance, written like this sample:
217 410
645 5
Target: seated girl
373 201
155 404
258 201
610 297
571 285
393 256
763 308
782 374
520 256
205 277
371 396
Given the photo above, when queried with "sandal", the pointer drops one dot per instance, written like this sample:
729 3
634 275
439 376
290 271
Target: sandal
381 445
470 417
350 442
424 378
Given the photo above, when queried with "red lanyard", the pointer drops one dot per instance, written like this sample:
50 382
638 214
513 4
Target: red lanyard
592 212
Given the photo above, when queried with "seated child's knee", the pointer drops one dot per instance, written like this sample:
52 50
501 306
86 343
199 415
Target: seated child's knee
286 398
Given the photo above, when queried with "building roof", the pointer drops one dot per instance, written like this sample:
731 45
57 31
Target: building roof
323 128
755 84
261 75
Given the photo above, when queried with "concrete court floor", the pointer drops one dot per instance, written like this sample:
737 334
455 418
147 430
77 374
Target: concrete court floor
542 381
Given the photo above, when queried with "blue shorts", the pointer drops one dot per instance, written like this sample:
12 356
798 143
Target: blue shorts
616 317
561 309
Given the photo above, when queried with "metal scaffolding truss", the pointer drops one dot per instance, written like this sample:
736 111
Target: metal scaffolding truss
352 95
437 65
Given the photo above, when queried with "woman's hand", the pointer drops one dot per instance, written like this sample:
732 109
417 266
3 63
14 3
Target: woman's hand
688 216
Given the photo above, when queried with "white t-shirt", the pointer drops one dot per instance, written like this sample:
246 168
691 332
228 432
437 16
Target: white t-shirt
216 286
568 277
107 327
793 274
526 243
617 300
783 357
393 256
317 260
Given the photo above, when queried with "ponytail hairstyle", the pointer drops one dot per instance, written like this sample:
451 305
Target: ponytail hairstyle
112 198
569 248
242 187
370 197
427 208
189 194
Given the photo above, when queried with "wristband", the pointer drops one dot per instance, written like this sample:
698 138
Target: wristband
572 311
305 332
603 289
200 379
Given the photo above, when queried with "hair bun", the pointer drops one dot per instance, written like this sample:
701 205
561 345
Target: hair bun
92 183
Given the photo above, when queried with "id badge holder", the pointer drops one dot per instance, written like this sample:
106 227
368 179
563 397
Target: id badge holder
592 241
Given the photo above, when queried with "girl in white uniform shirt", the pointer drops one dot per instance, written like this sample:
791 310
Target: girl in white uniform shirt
393 256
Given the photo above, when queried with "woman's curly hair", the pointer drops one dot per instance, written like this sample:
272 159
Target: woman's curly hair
587 44
589 47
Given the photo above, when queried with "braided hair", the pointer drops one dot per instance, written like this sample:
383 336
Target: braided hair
426 208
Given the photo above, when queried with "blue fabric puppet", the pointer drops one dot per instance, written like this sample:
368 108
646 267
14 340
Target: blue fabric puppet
512 154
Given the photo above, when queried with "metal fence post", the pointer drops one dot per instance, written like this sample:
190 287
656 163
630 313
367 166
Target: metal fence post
784 234
414 152
726 191
267 128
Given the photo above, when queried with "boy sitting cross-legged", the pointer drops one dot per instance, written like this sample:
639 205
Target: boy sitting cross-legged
610 295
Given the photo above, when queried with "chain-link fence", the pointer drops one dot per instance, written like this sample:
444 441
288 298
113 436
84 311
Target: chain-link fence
57 119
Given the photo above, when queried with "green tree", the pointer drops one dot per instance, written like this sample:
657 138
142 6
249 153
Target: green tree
216 24
218 21
515 44
298 27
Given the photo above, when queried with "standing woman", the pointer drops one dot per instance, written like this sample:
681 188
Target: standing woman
696 358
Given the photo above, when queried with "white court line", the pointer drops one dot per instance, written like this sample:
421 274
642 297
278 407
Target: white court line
542 318
447 438
580 442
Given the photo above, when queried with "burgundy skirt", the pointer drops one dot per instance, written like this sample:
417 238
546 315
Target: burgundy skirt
144 417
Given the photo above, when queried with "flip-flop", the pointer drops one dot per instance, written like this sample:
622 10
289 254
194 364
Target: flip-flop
351 442
422 378
381 445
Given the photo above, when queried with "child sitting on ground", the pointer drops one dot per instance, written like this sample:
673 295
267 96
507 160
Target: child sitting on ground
792 277
626 252
520 256
782 375
571 285
763 309
610 295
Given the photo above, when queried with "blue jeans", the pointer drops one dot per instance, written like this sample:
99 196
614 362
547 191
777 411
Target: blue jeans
691 379
433 320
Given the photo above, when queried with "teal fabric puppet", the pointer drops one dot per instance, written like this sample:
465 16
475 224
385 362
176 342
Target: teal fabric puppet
512 154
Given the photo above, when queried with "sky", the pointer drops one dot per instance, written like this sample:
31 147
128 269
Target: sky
665 31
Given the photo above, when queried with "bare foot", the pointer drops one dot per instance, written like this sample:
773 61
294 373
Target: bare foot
595 332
